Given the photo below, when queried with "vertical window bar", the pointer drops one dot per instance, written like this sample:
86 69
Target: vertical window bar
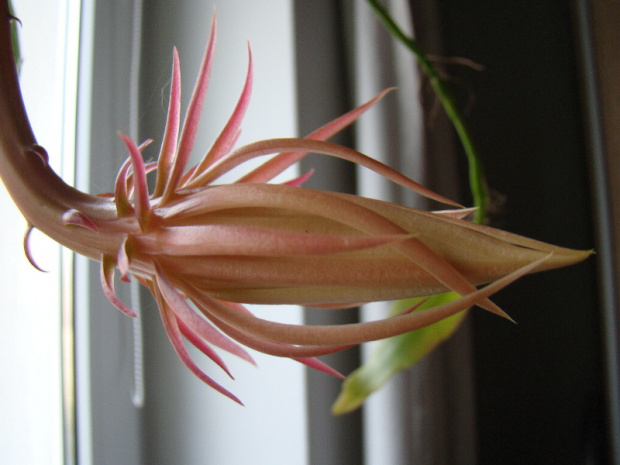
137 394
603 222
69 18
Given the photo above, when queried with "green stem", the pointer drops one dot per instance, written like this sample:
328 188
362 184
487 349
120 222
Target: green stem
476 177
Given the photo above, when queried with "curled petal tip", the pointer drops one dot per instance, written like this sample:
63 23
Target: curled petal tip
28 252
300 180
318 365
107 284
76 218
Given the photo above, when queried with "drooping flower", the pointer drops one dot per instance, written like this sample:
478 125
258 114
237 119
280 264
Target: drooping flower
205 249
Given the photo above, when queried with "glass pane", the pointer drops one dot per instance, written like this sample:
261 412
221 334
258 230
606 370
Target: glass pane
30 350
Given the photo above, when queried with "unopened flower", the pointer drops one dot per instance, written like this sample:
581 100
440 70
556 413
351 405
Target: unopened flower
204 249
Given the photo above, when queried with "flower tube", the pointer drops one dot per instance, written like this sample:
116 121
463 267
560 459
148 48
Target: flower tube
205 249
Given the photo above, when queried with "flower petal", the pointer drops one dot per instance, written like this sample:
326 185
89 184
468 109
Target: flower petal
340 209
300 180
282 161
357 333
174 334
267 147
318 365
201 345
230 133
192 118
171 132
260 344
218 239
122 259
198 325
121 196
141 201
107 284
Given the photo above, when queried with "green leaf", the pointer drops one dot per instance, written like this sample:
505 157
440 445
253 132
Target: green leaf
394 354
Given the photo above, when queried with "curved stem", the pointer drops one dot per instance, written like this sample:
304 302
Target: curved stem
477 182
40 194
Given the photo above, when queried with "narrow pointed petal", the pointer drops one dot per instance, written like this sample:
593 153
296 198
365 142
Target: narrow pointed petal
271 146
107 284
148 168
124 184
145 144
121 195
171 132
229 134
472 239
357 333
141 201
270 169
174 334
192 119
265 346
318 365
201 345
122 259
300 180
196 323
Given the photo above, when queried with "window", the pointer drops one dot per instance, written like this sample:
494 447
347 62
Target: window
31 429
182 421
495 393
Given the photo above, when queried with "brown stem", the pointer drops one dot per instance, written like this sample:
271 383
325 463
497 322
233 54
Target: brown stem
40 194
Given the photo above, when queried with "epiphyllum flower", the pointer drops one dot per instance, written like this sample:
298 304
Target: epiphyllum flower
220 246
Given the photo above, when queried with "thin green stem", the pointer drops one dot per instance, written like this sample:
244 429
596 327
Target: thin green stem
477 182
